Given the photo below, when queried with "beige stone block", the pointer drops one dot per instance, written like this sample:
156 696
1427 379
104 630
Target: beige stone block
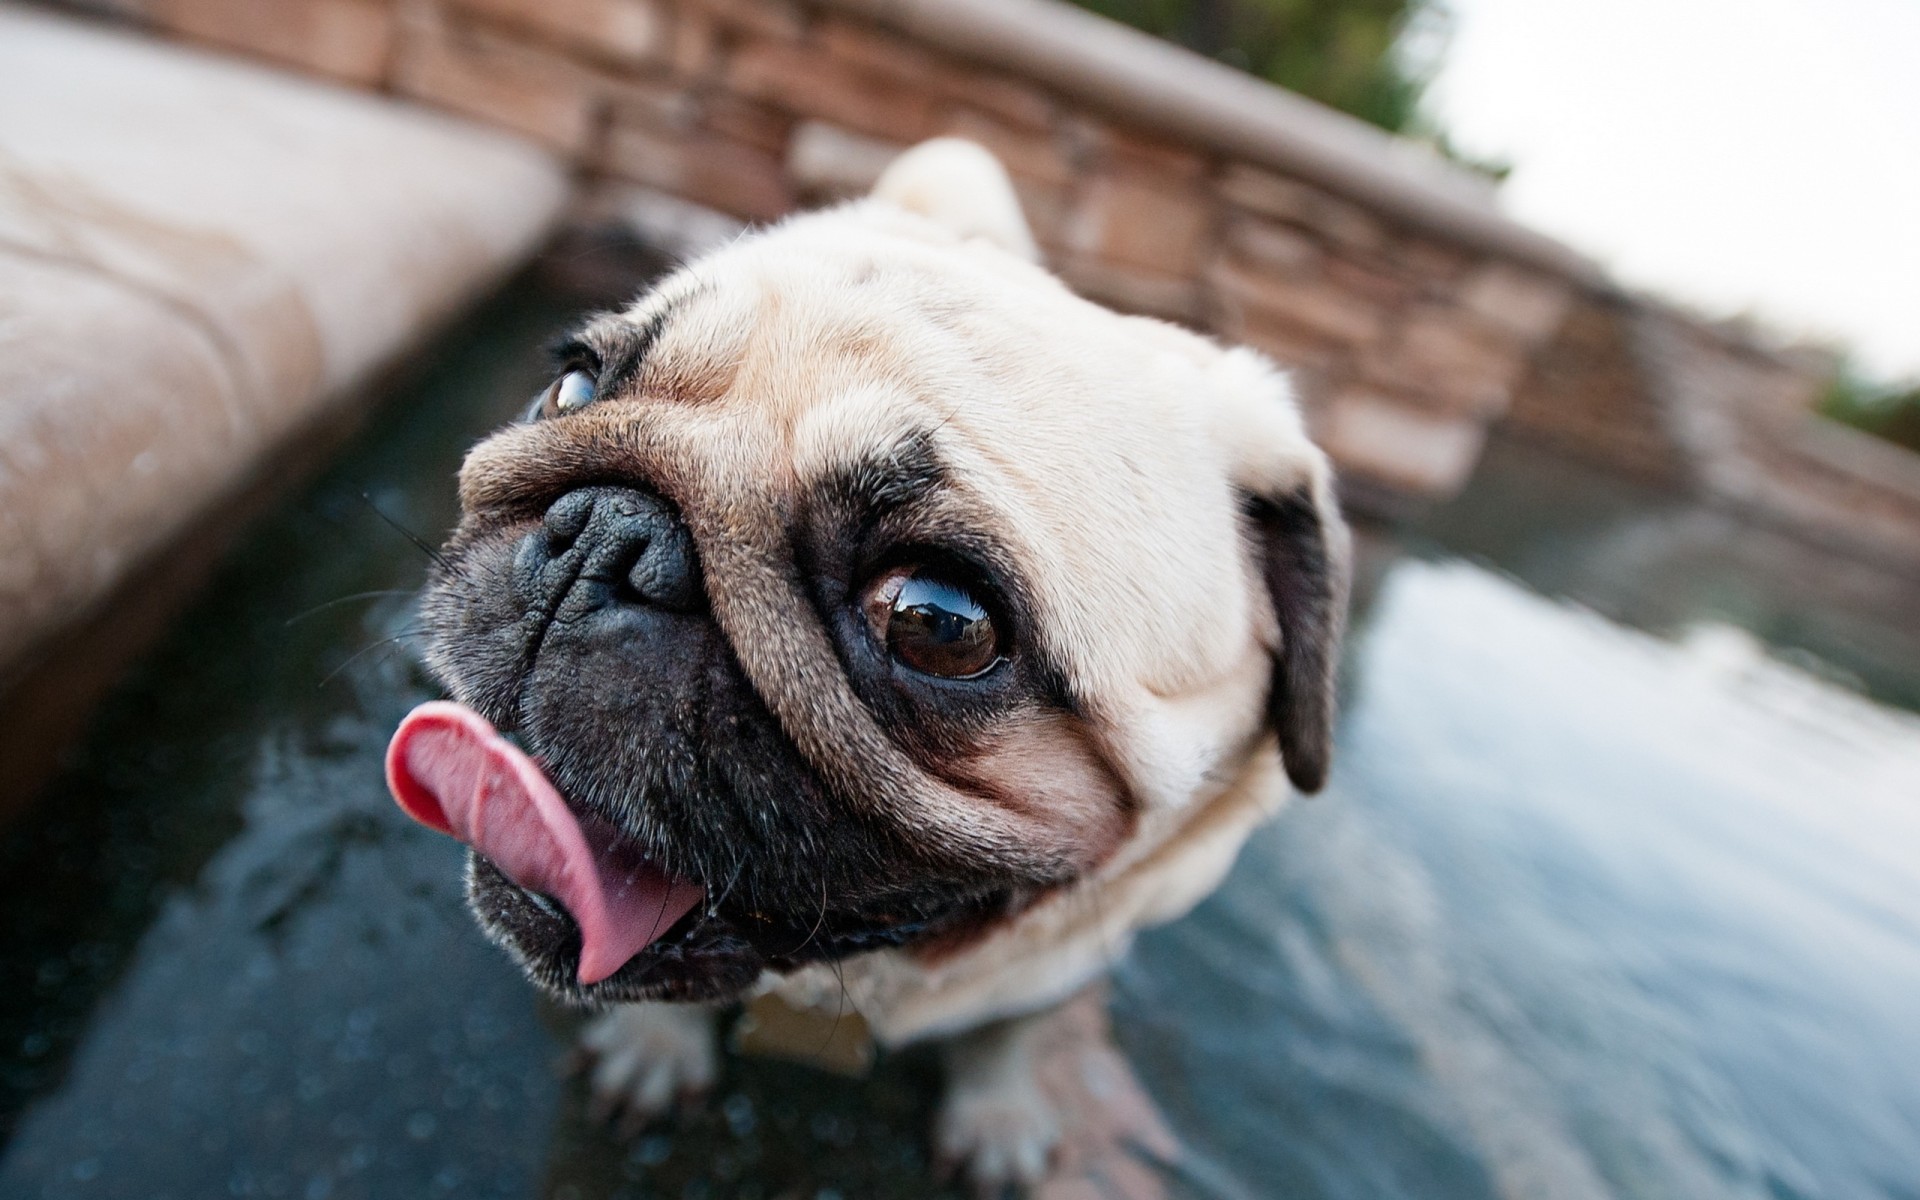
693 52
1131 221
1525 304
776 20
1424 454
1444 339
1433 266
1451 395
826 161
345 39
1124 150
663 105
1297 203
1259 303
1444 353
885 54
1268 194
803 81
1272 246
497 82
247 246
622 31
758 125
1175 297
735 179
104 456
1370 282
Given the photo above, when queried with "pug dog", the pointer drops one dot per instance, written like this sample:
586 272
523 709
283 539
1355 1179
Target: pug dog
863 617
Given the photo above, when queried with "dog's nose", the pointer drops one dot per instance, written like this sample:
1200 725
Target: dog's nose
602 547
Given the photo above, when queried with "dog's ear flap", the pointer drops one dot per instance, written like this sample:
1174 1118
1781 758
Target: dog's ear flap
962 186
1303 555
1304 563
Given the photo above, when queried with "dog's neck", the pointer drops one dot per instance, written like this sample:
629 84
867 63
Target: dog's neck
1051 950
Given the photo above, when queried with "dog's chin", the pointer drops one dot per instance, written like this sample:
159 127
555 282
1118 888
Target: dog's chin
702 956
714 955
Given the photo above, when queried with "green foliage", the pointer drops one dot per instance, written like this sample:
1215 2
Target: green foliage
1340 52
1370 58
1888 411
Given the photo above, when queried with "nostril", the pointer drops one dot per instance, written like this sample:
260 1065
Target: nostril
566 519
667 573
602 548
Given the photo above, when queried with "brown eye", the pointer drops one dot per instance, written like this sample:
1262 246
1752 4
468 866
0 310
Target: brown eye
933 624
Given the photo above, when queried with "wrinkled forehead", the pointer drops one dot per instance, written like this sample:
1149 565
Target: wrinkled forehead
823 336
833 344
836 359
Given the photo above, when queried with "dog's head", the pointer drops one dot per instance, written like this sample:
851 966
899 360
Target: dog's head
854 588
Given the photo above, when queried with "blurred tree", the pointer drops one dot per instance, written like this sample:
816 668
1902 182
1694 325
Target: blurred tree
1891 411
1340 52
1370 58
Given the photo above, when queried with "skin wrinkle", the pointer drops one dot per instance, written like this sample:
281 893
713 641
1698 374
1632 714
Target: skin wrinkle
768 463
753 605
969 829
830 725
906 489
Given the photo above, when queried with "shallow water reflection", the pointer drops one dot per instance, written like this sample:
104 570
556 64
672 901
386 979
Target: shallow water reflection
1584 913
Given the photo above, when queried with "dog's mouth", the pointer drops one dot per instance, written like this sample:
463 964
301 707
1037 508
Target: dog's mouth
452 771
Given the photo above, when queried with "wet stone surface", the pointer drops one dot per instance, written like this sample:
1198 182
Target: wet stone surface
230 966
1586 912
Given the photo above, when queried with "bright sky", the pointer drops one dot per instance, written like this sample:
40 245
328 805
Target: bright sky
1758 155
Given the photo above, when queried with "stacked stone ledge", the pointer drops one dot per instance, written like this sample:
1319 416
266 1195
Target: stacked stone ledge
1407 343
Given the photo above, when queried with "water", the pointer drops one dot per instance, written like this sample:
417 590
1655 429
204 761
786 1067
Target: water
1585 914
1588 910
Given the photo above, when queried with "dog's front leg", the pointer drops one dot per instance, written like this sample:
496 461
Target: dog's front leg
642 1059
1044 1098
995 1119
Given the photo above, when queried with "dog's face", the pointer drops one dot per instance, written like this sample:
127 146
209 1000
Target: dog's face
867 585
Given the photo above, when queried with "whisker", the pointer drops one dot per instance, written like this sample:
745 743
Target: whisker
840 1012
659 915
713 908
339 600
362 652
420 543
817 922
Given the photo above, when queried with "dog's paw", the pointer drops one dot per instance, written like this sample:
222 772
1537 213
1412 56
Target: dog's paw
1001 1134
1112 1135
643 1059
1046 1107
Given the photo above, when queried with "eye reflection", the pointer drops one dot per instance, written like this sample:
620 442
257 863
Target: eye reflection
933 624
571 392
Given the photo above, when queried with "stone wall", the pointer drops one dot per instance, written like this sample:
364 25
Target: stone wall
1743 417
1157 181
1587 396
1639 388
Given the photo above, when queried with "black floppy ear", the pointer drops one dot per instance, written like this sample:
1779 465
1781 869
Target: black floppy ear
1304 553
1302 550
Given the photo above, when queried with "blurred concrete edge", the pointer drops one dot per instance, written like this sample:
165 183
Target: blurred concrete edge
203 265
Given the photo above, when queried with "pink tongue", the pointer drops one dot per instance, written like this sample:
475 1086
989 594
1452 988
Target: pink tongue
451 771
